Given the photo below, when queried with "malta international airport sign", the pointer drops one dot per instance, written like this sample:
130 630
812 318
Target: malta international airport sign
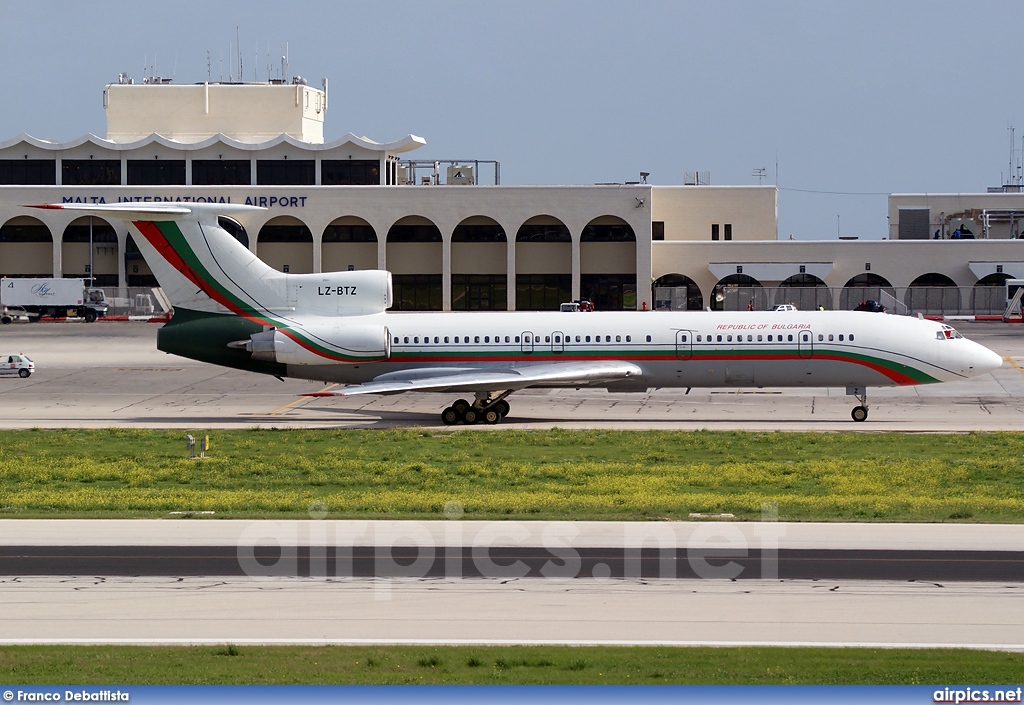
264 201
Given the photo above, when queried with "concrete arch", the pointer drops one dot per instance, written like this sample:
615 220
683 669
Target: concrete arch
677 292
348 242
933 294
805 291
26 248
995 279
101 269
739 292
286 244
989 294
136 269
479 265
866 286
608 263
543 264
415 254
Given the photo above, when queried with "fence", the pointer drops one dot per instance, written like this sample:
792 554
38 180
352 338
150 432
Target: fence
926 300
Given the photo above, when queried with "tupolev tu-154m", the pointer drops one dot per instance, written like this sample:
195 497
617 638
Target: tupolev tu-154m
232 309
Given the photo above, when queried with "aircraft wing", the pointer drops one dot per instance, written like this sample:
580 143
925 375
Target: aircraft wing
475 379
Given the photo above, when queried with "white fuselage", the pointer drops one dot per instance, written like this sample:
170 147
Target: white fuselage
691 349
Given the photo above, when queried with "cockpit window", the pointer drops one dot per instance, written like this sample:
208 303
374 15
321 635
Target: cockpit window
947 333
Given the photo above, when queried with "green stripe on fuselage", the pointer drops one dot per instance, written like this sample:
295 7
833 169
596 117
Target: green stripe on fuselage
450 355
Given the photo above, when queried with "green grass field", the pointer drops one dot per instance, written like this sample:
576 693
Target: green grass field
515 474
243 665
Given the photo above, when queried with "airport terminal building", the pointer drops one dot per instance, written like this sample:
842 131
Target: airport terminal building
454 243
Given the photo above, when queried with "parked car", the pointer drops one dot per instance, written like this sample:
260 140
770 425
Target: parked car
10 314
16 365
783 307
869 305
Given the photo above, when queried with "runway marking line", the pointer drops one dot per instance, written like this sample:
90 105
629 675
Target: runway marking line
1010 360
299 401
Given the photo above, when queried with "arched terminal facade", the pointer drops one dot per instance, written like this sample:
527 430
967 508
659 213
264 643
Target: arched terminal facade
353 203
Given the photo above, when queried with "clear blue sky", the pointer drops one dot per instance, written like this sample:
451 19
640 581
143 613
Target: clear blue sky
860 98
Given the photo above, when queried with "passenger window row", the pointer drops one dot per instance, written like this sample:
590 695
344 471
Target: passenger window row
477 339
771 338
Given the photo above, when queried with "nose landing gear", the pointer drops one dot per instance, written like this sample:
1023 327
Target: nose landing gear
487 408
859 413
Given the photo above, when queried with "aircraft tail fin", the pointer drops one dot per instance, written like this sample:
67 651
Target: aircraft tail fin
202 268
199 266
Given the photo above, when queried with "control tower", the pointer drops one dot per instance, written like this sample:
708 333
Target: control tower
246 112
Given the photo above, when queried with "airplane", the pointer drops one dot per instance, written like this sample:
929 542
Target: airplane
232 309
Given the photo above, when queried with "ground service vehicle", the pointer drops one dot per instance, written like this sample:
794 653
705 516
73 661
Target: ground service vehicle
869 305
16 365
56 298
10 314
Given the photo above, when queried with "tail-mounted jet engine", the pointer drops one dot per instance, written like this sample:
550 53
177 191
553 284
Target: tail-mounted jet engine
322 345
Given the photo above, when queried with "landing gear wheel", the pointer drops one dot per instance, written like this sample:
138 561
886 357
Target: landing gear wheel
460 406
450 417
859 413
23 373
503 408
491 416
471 416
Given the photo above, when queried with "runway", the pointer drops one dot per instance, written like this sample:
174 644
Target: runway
523 562
361 582
109 373
195 610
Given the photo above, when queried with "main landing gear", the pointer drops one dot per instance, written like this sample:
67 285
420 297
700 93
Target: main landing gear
859 413
486 409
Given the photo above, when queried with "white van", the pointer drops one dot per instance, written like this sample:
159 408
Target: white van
16 365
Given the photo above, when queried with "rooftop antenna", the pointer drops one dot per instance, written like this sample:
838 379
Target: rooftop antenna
207 65
238 49
1009 173
230 77
174 71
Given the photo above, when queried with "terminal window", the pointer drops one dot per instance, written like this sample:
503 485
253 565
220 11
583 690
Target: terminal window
221 172
156 172
350 172
286 172
90 172
28 172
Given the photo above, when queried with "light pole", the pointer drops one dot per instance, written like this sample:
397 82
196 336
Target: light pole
90 252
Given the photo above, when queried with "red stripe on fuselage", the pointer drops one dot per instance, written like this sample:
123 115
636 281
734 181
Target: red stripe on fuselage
898 377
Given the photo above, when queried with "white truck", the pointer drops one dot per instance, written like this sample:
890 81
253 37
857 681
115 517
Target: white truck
56 298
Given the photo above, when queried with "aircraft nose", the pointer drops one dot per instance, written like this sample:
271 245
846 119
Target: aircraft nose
984 360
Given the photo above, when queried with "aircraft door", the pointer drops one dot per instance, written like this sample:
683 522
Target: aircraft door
684 344
527 343
557 342
805 345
